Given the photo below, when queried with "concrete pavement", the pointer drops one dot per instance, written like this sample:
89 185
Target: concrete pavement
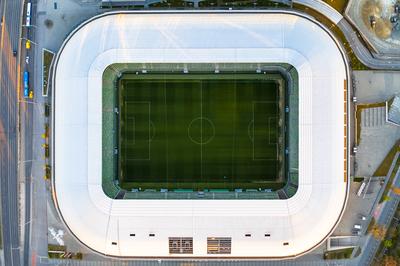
32 149
37 189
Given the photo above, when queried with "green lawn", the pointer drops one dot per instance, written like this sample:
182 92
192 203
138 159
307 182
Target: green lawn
199 131
47 59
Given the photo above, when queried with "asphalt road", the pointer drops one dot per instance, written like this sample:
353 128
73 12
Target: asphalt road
10 14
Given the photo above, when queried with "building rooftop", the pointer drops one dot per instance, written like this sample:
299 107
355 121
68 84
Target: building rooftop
257 228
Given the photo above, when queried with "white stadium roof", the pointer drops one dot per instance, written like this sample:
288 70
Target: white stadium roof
304 220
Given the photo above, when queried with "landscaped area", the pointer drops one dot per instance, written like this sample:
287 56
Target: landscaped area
338 254
389 250
47 57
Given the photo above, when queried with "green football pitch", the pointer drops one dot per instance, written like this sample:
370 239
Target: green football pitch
199 131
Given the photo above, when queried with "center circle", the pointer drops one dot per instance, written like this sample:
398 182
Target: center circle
201 130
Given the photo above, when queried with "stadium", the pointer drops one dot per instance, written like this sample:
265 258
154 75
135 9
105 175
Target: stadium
200 135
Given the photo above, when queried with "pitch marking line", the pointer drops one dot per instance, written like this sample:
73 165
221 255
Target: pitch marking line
268 128
132 118
129 120
274 140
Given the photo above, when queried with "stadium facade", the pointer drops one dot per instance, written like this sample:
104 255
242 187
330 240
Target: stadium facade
258 229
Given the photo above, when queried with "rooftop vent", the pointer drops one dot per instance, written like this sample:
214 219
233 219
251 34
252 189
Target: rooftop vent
219 245
180 245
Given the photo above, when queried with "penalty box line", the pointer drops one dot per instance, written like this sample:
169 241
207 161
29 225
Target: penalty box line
268 128
132 118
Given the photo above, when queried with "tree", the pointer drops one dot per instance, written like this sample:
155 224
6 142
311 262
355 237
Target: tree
378 232
396 190
389 261
386 198
392 232
388 243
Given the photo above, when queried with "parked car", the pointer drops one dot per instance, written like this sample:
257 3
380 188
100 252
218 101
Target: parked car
28 44
357 227
355 149
361 217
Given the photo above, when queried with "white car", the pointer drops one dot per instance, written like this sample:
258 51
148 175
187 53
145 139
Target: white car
362 217
357 226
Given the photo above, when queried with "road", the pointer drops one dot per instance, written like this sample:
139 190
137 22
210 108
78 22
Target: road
10 13
362 53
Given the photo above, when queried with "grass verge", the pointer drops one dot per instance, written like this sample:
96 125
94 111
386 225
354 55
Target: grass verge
358 179
339 5
384 167
371 225
338 254
60 252
47 57
390 182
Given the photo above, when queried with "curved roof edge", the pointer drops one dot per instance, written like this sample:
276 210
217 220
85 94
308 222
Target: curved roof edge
203 12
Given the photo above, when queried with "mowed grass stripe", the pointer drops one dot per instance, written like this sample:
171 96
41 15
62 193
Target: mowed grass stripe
201 131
